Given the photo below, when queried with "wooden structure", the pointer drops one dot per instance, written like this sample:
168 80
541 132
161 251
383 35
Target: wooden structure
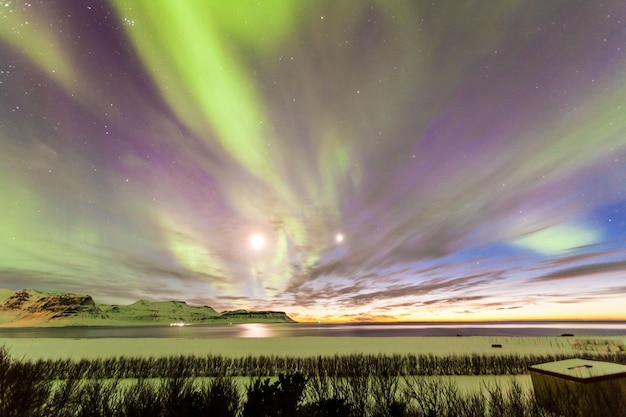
580 387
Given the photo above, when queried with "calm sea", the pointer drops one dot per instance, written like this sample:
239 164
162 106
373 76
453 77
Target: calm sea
587 328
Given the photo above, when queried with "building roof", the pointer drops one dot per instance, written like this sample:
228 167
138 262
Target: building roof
581 370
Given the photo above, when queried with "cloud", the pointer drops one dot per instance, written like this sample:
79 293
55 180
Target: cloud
19 278
576 259
383 291
583 271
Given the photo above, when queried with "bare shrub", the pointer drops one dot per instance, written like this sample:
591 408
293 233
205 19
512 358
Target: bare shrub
65 397
23 391
385 391
431 396
139 400
221 397
98 398
280 398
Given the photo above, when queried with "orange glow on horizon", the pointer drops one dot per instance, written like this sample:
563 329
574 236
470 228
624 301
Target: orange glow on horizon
598 311
606 308
348 319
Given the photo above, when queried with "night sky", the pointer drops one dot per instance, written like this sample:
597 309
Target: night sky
337 160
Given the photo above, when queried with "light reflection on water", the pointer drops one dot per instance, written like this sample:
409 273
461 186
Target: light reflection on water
254 330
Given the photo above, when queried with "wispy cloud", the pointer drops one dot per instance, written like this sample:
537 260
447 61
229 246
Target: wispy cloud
583 271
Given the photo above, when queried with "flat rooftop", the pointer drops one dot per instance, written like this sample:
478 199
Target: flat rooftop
582 370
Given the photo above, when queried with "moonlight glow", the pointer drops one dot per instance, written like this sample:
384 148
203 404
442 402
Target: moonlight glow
257 241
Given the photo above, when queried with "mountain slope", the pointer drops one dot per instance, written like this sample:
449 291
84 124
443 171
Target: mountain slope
163 312
30 308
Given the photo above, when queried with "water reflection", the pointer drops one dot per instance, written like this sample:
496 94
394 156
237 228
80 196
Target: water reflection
255 330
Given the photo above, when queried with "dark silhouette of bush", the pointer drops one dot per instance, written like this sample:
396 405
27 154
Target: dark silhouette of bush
64 398
98 398
278 399
395 408
385 387
328 407
23 390
222 398
176 397
139 400
430 396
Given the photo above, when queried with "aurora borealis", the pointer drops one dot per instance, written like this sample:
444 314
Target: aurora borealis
338 160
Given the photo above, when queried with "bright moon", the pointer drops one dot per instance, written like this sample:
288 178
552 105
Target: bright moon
257 241
339 238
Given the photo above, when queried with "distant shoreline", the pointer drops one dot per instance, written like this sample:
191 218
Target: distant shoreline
270 329
218 321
